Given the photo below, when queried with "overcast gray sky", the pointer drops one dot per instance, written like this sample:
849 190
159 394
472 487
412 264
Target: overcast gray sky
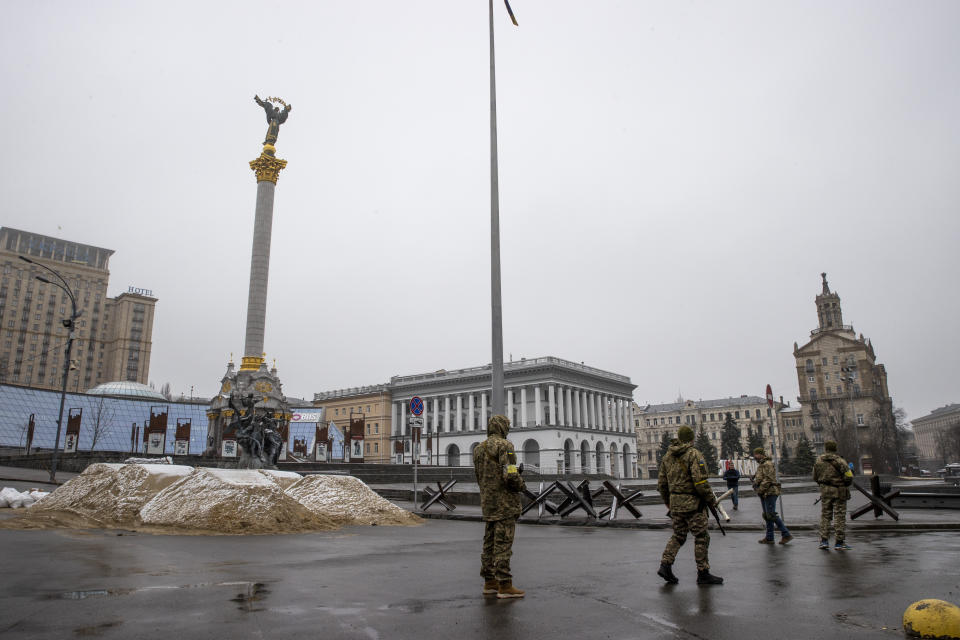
674 177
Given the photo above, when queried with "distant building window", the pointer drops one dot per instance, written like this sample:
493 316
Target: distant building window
758 413
813 395
860 418
823 361
826 376
836 359
736 414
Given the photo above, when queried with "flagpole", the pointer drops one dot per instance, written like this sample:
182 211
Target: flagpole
497 393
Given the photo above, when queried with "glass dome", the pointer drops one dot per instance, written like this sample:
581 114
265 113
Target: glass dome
126 390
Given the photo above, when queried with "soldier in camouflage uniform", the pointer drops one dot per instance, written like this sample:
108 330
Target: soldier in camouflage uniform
495 464
766 485
682 483
833 475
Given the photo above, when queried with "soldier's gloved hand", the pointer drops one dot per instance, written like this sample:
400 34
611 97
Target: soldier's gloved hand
520 468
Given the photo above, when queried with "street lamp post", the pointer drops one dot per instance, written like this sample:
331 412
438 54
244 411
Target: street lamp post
70 325
848 379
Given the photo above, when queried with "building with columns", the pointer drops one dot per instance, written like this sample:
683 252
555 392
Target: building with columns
843 390
565 417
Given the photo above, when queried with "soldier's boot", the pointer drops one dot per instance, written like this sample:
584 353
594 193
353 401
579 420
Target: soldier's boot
666 572
765 541
705 577
507 590
841 546
824 544
490 586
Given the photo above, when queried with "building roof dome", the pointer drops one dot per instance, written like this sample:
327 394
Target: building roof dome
126 389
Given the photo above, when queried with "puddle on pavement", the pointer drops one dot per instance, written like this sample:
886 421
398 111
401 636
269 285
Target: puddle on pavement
254 590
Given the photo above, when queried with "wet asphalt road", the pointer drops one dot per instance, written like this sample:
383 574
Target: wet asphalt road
416 582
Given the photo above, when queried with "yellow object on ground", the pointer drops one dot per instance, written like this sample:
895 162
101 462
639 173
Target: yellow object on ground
932 619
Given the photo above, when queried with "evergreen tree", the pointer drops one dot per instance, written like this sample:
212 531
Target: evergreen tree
804 459
664 445
786 464
730 443
709 451
754 440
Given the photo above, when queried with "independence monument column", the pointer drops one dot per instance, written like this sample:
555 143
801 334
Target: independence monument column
267 168
250 402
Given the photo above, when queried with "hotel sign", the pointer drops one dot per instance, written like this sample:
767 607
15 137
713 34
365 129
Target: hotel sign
140 292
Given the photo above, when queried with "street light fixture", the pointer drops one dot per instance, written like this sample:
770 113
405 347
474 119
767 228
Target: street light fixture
70 325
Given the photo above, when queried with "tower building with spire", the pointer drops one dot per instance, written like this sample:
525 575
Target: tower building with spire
843 389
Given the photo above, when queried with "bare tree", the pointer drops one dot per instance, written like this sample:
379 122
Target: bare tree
102 414
841 430
165 391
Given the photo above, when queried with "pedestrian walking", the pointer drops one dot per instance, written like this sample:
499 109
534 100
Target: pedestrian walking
682 483
495 464
766 485
732 476
834 478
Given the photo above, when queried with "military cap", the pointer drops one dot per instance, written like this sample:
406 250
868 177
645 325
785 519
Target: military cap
685 434
758 451
830 445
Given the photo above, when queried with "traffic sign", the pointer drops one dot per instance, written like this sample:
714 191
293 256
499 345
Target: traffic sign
769 396
415 421
416 405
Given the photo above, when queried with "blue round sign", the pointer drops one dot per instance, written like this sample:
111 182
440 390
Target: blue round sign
416 406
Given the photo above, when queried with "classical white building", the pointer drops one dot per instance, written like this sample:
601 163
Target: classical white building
565 417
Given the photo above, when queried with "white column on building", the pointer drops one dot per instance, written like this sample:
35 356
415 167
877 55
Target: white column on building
602 401
582 409
523 406
619 406
446 414
471 414
561 409
403 419
568 406
436 415
594 402
510 406
537 408
459 417
589 410
576 407
483 411
394 420
552 404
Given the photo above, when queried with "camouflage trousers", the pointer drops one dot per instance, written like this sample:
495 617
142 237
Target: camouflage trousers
833 509
497 549
694 522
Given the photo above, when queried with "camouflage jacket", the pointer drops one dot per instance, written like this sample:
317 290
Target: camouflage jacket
495 464
682 479
827 473
765 481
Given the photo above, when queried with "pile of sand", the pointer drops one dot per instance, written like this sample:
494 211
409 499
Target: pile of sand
347 500
282 478
230 501
179 499
107 494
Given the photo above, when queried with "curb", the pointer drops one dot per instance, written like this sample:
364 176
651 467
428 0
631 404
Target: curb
910 527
